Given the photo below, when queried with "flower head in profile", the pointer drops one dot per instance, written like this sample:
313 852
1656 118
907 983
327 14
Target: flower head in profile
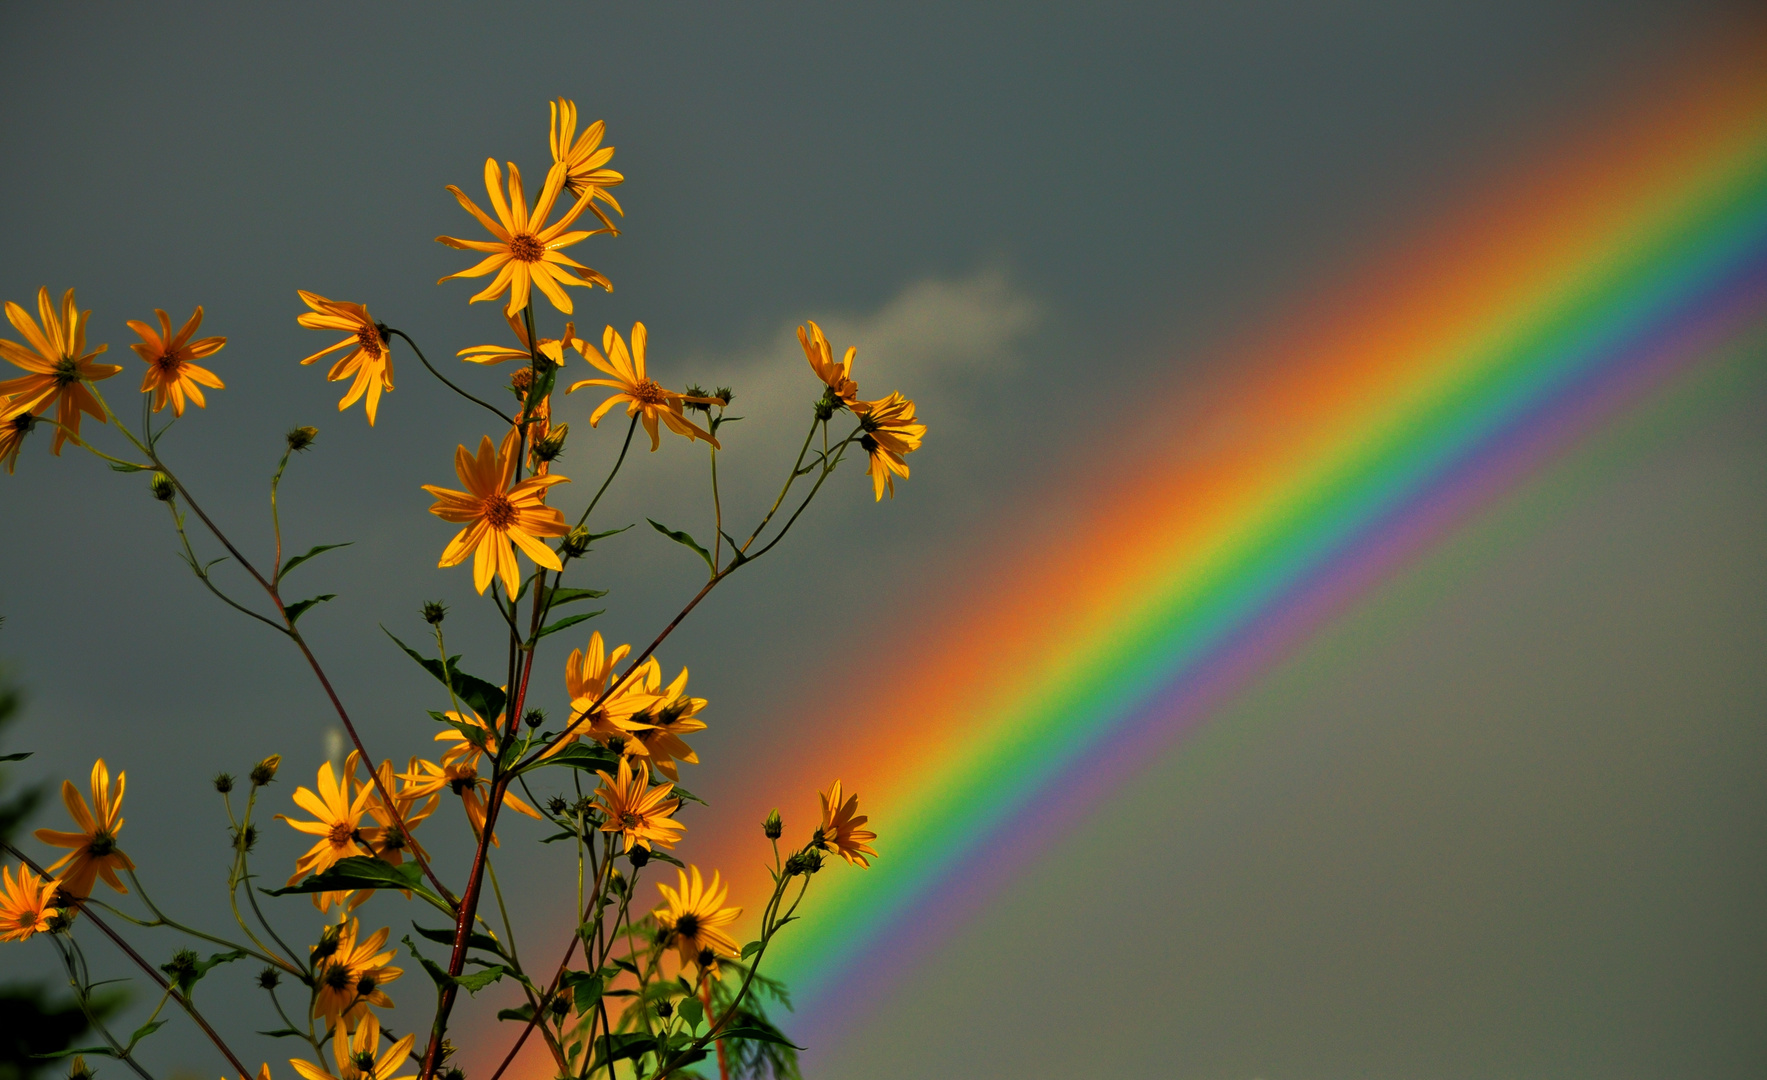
338 813
57 366
349 978
837 377
891 433
694 917
840 831
357 1055
95 853
369 360
25 903
587 673
461 776
172 375
497 512
585 160
641 814
643 396
670 715
384 839
551 348
14 426
525 253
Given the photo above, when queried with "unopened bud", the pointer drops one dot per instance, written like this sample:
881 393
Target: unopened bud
639 856
665 1009
265 771
223 782
534 717
725 395
79 1070
552 445
456 1073
434 611
181 967
576 544
557 805
163 488
705 958
269 978
773 826
302 437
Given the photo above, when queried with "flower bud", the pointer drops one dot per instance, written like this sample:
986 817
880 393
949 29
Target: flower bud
269 978
639 856
265 771
456 1073
773 826
182 968
434 611
534 717
557 805
706 957
576 544
302 437
163 488
825 406
552 445
223 782
78 1069
665 1009
725 395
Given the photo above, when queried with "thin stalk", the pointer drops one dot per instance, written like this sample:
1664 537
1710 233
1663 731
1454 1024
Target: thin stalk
82 997
445 382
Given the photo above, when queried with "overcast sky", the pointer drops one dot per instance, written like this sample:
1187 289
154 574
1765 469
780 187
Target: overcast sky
1032 222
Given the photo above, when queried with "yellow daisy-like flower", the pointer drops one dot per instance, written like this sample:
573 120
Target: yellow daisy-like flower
58 364
370 361
357 1055
641 393
837 377
171 375
641 814
263 1073
24 903
384 839
694 917
462 777
14 426
497 512
338 813
840 831
671 715
95 853
348 980
551 348
526 249
586 677
891 433
584 160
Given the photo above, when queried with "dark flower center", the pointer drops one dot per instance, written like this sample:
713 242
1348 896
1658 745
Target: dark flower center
368 339
526 247
687 925
103 843
649 393
499 512
67 371
340 833
868 444
630 820
365 985
169 364
337 976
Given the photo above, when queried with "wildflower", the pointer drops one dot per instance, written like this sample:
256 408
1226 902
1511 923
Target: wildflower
586 677
385 839
171 375
838 377
526 249
14 426
434 611
78 1069
265 771
356 1055
58 364
637 811
773 828
162 487
642 394
223 782
459 772
890 434
338 815
95 852
695 915
302 437
263 1073
25 903
840 831
671 715
550 348
371 360
349 980
497 512
584 160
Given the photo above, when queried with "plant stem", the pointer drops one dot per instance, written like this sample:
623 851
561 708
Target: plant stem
444 378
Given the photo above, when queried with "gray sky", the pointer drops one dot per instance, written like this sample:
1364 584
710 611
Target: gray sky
1470 847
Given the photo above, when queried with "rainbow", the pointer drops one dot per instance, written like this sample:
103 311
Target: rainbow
1339 446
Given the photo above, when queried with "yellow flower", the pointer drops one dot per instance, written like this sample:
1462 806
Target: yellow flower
263 1073
891 433
95 852
840 831
14 427
837 377
497 514
638 812
586 677
462 777
170 373
695 915
551 348
348 980
671 715
355 1055
24 903
338 813
526 249
585 176
384 839
371 360
59 367
636 388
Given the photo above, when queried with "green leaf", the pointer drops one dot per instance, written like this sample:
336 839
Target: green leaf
437 973
611 1048
478 980
203 967
691 1011
96 1051
143 1032
362 872
557 836
446 937
586 989
124 466
284 1033
757 1034
658 853
486 699
524 1013
563 624
299 607
299 559
737 557
684 795
685 541
751 949
16 757
560 595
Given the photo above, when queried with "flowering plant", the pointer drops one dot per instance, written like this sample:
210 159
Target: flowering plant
651 982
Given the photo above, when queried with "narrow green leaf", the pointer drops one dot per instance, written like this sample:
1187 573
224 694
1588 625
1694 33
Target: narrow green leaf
590 757
284 1033
657 853
143 1032
750 949
16 757
96 1051
757 1034
485 698
611 1048
299 559
124 466
299 607
737 557
362 872
561 595
684 540
524 1013
437 974
446 937
478 980
566 623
